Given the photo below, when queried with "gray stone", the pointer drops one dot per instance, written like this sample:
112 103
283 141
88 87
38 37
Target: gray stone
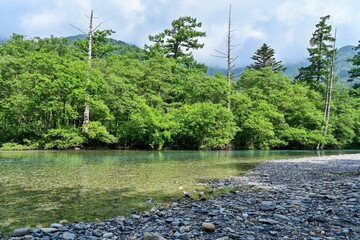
319 218
135 216
97 233
108 235
20 232
230 230
267 206
153 236
68 236
79 226
223 238
49 230
56 225
169 220
281 217
184 229
177 234
185 236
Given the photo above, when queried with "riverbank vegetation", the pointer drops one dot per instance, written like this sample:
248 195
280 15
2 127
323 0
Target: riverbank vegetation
162 98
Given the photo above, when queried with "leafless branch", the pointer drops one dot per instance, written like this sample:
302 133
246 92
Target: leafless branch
77 28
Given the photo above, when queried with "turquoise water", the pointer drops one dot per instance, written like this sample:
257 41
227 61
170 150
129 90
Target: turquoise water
38 188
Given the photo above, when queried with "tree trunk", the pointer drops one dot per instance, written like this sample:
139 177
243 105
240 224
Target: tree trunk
88 78
230 60
329 94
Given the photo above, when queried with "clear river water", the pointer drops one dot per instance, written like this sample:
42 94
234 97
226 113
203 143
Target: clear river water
38 188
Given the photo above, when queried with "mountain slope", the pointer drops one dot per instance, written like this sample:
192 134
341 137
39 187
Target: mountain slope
123 46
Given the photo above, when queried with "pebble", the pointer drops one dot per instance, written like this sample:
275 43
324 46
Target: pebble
306 198
208 227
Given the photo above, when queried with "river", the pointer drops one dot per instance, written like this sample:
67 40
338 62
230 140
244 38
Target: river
38 188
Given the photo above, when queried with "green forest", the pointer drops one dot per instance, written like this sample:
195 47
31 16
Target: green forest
56 94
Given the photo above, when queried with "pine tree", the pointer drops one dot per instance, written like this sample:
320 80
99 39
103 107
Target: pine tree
179 41
321 51
264 57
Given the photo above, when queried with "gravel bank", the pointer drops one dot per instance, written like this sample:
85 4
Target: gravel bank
306 198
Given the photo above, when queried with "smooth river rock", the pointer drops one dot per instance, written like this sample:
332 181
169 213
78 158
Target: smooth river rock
21 232
208 227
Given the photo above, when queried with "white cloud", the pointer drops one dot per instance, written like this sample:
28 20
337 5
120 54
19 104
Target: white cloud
286 25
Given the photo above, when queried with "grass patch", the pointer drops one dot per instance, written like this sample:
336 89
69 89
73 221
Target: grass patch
212 193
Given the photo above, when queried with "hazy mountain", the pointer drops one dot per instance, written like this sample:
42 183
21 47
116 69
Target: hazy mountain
342 65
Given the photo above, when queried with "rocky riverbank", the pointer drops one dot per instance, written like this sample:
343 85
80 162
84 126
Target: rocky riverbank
306 198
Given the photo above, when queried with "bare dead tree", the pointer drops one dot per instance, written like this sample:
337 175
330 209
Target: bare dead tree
88 77
329 89
90 33
230 60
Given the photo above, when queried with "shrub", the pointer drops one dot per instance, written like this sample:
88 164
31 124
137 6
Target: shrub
63 138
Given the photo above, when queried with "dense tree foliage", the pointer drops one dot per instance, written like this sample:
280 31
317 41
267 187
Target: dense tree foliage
273 112
148 100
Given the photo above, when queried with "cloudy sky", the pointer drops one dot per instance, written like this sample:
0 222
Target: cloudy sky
285 25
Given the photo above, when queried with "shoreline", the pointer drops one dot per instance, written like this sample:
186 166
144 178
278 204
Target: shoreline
304 198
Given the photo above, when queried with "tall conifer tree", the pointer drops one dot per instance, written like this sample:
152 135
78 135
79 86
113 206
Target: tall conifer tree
321 51
264 57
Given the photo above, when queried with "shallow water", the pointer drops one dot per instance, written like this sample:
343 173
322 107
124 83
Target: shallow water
42 187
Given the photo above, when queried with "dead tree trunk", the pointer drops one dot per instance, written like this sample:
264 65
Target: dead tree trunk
230 60
88 77
329 90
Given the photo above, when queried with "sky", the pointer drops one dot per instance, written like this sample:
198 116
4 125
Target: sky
285 25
